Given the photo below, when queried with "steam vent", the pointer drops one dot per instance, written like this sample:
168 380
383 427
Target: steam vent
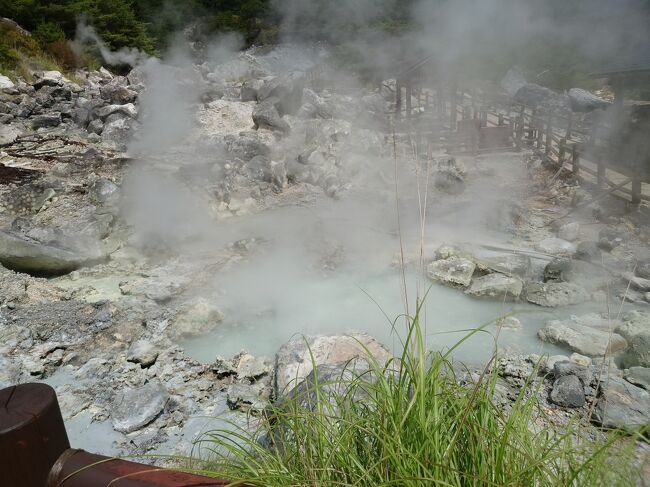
324 243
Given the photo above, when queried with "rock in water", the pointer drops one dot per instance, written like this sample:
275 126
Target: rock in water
580 338
47 251
553 294
622 405
296 358
585 101
568 392
136 408
456 271
636 330
496 285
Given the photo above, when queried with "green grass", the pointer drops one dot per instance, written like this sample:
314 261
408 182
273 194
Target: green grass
411 422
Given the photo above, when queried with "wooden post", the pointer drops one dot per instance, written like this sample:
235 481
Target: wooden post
453 119
636 190
569 126
539 125
532 126
561 151
600 172
32 434
483 117
500 120
519 128
398 99
549 136
575 160
409 97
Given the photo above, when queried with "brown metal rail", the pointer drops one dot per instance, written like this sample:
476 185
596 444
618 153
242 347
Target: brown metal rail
35 451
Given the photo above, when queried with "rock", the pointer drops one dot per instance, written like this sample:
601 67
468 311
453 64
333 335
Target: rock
118 132
105 192
513 81
117 94
639 376
636 330
49 78
563 368
578 359
643 269
580 338
636 282
553 294
250 368
448 174
246 397
508 264
246 146
294 360
47 251
454 270
588 251
622 405
136 408
509 323
569 231
265 115
609 239
250 88
47 120
568 392
585 101
128 110
556 246
534 95
285 90
589 276
496 285
142 352
197 316
314 106
553 359
6 84
261 168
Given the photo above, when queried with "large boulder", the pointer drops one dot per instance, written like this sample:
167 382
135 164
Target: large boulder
455 271
246 146
622 405
534 95
568 392
512 81
286 89
577 335
266 115
556 246
636 330
554 294
585 101
137 407
128 110
296 359
49 78
6 83
496 286
508 264
585 274
46 251
250 88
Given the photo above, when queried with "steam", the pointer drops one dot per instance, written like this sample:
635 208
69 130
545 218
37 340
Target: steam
86 34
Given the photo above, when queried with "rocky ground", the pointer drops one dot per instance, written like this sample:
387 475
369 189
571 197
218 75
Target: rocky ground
96 293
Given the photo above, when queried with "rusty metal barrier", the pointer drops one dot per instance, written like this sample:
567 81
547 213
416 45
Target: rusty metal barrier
35 451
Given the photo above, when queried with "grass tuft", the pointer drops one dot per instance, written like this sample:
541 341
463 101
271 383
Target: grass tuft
412 422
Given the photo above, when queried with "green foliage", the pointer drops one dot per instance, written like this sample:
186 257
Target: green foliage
48 32
412 423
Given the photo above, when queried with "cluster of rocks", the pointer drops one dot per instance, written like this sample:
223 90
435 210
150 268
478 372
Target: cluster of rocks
100 102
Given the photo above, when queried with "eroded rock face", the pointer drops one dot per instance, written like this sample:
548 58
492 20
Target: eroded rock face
136 408
47 251
455 271
576 335
294 359
622 405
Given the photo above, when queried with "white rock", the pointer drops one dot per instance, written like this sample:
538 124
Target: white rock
556 246
6 83
576 358
569 231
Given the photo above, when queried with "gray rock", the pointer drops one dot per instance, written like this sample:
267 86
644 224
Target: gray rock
622 405
643 269
296 358
46 121
6 83
568 392
142 352
136 408
247 398
532 94
588 251
554 294
455 271
286 91
496 285
610 238
564 368
48 78
47 251
128 110
261 168
246 146
589 276
580 338
556 246
585 101
265 115
636 330
508 264
118 132
512 81
569 231
118 94
639 376
250 88
636 282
